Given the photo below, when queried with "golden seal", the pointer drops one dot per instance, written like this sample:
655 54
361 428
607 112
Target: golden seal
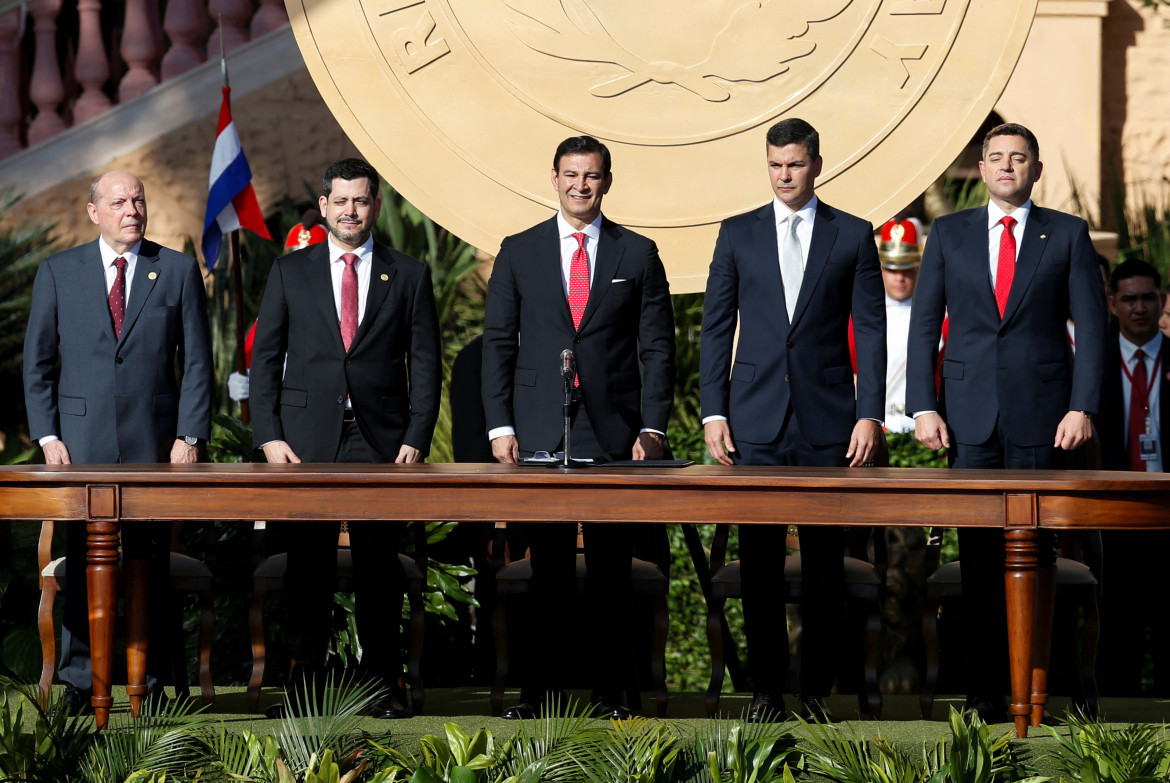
153 275
384 277
460 103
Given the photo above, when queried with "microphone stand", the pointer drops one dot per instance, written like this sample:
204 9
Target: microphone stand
569 373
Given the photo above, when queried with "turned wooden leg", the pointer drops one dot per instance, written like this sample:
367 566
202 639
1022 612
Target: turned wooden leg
1020 586
1042 638
136 579
101 573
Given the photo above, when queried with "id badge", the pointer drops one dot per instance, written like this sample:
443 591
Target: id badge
1148 446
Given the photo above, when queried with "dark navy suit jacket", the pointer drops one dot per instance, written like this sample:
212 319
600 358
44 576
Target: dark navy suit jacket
118 399
1018 369
806 362
624 347
392 371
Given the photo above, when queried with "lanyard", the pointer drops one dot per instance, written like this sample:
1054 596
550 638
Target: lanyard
1144 393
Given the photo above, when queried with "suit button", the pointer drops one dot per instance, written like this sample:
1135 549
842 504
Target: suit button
119 360
347 362
786 379
789 343
341 400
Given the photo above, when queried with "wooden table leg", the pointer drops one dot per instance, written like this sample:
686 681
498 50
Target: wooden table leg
1042 634
1020 586
136 585
101 574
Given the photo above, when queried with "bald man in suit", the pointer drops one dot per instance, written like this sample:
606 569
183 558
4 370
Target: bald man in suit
117 369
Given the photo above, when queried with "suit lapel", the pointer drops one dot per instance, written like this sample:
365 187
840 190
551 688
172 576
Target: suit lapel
974 245
91 276
609 254
824 235
146 275
320 282
548 267
1035 240
768 252
382 274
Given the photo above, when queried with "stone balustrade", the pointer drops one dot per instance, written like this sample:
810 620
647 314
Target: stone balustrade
60 67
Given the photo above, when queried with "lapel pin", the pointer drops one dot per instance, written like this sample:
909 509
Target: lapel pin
153 275
1044 236
385 278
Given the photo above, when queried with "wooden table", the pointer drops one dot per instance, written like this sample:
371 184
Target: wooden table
1020 503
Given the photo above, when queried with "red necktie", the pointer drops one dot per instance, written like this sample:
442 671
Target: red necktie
578 281
1139 389
1006 269
118 297
349 299
578 286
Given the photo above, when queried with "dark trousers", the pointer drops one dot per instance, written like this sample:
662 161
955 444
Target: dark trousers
139 539
551 628
1131 624
981 567
761 555
379 584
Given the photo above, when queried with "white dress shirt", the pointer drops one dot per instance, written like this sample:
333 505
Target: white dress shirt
1152 350
995 232
804 229
362 266
592 234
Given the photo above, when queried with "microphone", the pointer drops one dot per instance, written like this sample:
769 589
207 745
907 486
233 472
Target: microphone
568 364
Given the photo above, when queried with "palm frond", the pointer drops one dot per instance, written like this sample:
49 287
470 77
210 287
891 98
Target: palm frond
549 740
171 741
637 749
332 725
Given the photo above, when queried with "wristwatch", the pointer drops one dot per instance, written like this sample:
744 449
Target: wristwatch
189 440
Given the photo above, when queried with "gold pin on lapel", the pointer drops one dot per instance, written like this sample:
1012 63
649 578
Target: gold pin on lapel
385 278
153 275
1044 236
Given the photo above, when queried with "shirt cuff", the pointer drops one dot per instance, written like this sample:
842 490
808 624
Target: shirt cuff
47 439
653 432
708 419
922 413
500 432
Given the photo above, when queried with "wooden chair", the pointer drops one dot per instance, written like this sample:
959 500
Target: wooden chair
1073 578
188 575
648 578
268 577
863 587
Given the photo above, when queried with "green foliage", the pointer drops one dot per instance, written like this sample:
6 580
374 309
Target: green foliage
742 752
638 750
330 726
1141 219
965 193
1092 752
155 746
51 751
973 755
453 758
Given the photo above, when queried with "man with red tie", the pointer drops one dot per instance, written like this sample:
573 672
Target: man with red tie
581 282
1008 274
1133 432
346 367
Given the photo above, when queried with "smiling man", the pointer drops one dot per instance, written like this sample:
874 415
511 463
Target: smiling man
1008 275
581 282
789 275
117 369
346 367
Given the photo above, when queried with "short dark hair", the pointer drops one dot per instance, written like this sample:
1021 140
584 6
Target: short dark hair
1012 129
795 131
349 170
1134 267
582 145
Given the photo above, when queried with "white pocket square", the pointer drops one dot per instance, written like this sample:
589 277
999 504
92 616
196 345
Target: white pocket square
620 280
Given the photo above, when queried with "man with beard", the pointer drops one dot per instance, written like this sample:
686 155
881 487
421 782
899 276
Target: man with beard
357 323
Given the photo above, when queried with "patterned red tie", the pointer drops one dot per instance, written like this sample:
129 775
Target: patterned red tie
118 297
579 281
578 286
1006 269
1139 386
349 299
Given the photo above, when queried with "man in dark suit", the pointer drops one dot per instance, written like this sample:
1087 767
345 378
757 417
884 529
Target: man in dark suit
581 282
1133 432
790 274
346 367
127 321
1009 275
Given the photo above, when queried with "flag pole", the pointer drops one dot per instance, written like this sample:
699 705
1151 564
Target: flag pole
234 264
